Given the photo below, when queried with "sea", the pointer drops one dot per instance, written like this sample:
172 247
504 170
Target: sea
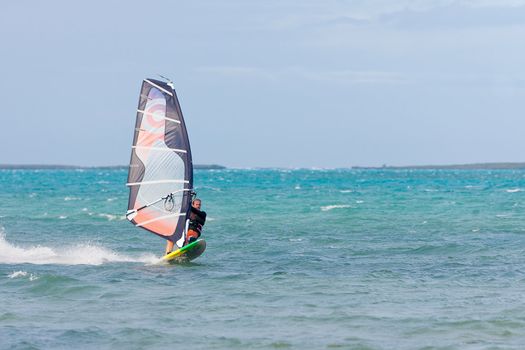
295 259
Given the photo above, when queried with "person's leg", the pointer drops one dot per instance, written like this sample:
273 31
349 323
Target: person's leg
191 236
169 246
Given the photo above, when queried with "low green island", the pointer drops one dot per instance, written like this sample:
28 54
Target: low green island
473 166
58 166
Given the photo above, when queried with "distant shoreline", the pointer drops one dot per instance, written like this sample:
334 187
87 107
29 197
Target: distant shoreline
473 166
57 166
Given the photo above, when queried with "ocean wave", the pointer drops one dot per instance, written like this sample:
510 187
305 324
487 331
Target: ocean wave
437 249
217 189
67 198
336 206
80 254
475 187
514 190
18 274
112 217
346 191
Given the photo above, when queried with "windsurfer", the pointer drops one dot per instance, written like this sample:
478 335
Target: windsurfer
197 220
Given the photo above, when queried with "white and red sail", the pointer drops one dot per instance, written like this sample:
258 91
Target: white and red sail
160 177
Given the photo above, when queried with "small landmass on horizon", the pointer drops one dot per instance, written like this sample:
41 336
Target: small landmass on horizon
473 166
56 166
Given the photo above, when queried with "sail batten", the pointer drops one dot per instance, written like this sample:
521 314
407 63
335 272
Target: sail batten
164 149
159 116
158 87
160 177
154 182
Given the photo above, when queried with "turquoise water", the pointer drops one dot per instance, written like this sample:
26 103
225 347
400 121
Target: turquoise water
301 259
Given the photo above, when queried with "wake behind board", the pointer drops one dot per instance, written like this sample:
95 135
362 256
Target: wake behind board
186 253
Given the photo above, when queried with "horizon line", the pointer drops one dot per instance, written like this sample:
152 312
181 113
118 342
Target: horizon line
473 166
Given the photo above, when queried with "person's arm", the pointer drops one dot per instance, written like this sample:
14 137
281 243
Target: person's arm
200 215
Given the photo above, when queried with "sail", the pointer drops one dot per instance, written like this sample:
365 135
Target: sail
160 177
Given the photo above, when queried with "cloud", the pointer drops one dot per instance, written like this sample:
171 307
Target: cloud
369 77
406 14
454 17
238 72
301 73
356 77
493 3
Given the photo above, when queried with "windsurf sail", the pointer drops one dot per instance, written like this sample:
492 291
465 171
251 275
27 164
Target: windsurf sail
160 177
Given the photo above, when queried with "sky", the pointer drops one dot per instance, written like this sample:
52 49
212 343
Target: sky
274 83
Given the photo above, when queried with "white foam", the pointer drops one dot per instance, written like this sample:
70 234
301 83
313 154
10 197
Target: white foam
79 254
359 201
346 191
514 190
112 217
62 217
198 188
337 206
18 274
71 198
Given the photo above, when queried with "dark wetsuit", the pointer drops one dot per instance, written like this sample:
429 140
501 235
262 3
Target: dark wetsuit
197 220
